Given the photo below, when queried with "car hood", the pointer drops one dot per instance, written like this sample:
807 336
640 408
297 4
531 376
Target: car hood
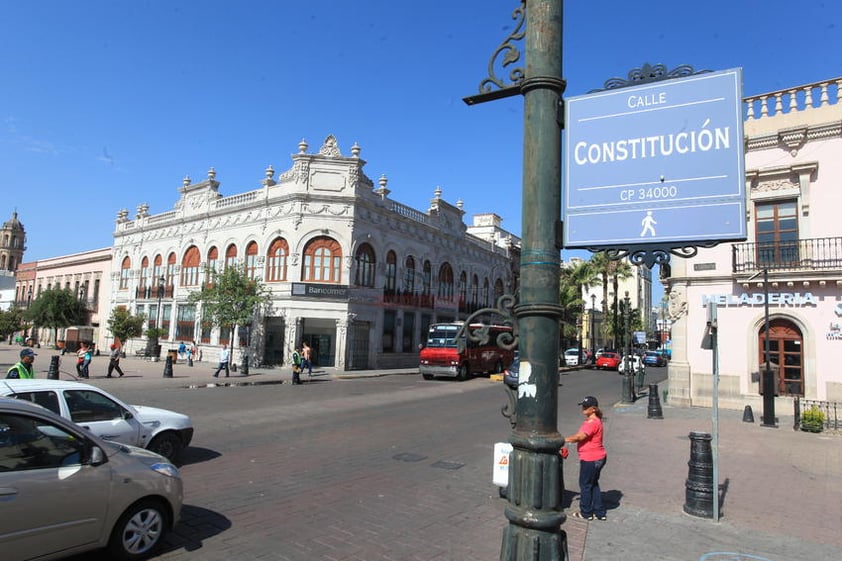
153 417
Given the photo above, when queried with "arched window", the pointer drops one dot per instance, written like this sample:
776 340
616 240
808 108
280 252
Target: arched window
427 278
485 293
276 261
213 259
463 287
190 266
474 290
251 261
409 276
171 260
231 256
125 269
365 266
144 276
391 271
157 269
322 261
498 289
445 282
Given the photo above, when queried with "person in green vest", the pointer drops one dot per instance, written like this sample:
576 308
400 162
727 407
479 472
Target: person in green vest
23 369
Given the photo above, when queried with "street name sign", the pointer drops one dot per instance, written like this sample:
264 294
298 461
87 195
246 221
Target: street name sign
660 163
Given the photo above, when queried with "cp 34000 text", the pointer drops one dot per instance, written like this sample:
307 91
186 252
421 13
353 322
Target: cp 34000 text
649 193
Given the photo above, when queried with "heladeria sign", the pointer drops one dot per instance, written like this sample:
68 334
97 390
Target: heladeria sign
657 163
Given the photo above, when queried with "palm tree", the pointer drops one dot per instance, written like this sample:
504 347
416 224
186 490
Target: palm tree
575 280
612 270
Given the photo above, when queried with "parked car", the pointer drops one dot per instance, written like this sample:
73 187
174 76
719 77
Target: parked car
654 358
64 491
512 372
164 432
572 357
636 364
608 361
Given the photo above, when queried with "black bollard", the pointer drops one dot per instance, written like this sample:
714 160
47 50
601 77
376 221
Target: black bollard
168 367
233 367
748 415
654 411
52 373
245 366
699 487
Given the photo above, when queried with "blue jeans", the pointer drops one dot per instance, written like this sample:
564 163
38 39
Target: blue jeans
590 497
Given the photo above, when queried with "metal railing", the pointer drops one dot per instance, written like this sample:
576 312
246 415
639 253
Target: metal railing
801 255
830 410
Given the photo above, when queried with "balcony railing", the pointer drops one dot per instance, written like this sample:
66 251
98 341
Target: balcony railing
801 255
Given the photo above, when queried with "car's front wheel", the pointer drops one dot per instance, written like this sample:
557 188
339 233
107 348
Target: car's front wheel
139 531
464 373
167 444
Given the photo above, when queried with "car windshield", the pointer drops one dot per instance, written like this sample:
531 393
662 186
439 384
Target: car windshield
442 336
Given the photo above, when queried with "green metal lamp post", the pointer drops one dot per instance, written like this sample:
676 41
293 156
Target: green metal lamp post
628 366
535 479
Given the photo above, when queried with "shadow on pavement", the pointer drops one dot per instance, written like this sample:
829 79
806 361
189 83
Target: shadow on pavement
195 455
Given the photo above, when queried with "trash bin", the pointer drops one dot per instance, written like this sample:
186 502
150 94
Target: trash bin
173 354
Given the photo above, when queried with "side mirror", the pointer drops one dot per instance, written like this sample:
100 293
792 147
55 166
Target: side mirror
97 456
127 415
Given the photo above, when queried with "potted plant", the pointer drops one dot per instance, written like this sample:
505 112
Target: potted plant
812 420
153 334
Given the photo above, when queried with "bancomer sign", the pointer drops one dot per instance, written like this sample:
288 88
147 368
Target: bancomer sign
656 163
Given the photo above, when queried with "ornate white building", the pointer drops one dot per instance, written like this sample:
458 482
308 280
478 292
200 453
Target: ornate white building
355 274
793 144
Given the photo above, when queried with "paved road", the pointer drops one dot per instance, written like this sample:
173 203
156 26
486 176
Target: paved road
382 468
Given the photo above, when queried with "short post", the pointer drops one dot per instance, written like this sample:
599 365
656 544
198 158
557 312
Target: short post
699 487
748 414
654 410
245 365
52 373
168 367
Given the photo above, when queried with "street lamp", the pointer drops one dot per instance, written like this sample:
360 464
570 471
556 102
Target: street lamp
593 325
766 383
161 284
628 368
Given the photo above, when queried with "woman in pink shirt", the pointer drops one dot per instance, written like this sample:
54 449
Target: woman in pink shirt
592 458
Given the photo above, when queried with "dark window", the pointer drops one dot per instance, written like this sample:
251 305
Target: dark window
777 233
46 399
87 406
33 443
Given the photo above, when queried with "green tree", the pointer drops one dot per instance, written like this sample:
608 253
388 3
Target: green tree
610 271
230 299
123 325
575 280
11 321
56 308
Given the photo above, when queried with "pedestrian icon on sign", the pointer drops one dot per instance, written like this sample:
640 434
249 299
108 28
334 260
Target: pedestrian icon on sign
648 224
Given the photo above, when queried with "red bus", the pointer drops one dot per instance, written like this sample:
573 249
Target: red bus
441 356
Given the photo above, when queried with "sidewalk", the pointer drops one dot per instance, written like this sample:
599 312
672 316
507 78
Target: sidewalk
151 374
782 490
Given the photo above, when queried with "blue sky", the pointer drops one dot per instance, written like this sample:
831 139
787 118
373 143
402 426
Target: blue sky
107 104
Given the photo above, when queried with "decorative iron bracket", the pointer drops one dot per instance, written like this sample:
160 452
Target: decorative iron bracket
649 73
507 54
482 334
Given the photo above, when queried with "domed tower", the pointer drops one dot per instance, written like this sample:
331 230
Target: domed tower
12 244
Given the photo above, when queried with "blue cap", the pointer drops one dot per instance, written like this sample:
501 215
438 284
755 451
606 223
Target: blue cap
28 352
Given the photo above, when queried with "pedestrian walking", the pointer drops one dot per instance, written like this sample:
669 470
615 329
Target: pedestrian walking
224 357
83 361
114 361
306 361
592 458
296 366
182 350
23 368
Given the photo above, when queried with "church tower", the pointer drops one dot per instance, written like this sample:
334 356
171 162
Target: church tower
12 244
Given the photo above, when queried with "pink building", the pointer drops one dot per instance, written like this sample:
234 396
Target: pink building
793 156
